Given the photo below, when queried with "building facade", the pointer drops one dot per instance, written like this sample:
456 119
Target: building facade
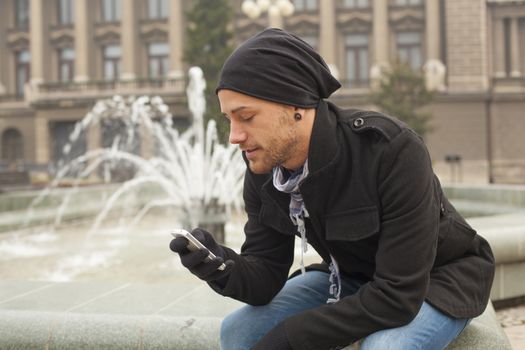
57 57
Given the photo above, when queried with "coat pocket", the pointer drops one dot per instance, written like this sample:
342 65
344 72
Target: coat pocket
352 225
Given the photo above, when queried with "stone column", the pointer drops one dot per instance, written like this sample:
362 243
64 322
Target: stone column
42 145
146 142
83 44
94 136
129 39
499 48
433 34
380 39
94 141
176 39
515 69
434 67
328 34
3 53
39 46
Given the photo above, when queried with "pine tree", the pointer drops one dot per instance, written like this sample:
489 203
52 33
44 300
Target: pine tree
402 93
208 44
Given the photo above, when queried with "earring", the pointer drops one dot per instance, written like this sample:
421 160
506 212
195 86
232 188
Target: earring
298 116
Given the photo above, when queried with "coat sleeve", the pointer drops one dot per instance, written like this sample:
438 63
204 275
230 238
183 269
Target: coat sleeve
262 268
405 255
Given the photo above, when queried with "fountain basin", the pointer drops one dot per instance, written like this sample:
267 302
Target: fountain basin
109 308
131 316
502 223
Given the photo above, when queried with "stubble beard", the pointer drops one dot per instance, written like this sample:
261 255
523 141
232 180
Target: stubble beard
281 148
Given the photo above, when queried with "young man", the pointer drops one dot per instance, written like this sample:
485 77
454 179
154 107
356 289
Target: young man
401 268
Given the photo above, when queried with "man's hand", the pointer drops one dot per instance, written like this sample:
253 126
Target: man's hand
194 261
276 339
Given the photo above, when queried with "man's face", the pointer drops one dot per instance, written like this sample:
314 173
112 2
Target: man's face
265 131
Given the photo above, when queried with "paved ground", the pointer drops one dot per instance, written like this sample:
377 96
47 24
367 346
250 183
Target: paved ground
513 322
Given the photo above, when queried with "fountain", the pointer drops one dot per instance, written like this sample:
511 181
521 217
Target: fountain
190 172
46 301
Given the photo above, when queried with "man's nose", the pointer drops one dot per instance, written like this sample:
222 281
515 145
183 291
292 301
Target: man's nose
237 134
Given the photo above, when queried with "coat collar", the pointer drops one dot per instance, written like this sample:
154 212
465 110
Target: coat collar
323 142
321 154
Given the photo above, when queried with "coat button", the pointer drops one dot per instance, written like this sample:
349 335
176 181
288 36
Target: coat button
359 122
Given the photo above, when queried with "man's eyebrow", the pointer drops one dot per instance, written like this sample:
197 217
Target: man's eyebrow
235 110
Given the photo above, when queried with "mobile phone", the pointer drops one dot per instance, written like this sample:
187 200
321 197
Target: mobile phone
194 244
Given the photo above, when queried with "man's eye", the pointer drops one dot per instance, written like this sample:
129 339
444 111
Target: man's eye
247 117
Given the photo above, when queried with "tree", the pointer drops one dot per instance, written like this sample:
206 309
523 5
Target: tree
208 44
401 93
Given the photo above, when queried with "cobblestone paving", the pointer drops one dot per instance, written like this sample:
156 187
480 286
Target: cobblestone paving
513 322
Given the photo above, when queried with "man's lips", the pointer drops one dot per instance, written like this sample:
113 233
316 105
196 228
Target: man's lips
250 152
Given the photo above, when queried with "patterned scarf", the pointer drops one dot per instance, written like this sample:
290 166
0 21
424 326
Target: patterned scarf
289 182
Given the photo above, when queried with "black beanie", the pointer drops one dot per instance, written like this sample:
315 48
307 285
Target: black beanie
277 66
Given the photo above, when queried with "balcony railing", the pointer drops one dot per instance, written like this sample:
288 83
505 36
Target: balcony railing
76 87
101 88
508 82
21 27
11 98
104 85
355 84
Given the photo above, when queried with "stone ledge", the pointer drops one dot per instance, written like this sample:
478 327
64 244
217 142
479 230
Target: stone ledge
483 333
54 330
27 330
506 235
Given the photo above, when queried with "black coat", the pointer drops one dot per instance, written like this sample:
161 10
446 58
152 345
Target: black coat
377 207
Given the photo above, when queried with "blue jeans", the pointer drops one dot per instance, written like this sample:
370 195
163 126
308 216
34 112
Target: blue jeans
240 330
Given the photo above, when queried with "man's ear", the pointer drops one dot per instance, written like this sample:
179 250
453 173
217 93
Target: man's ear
298 113
299 110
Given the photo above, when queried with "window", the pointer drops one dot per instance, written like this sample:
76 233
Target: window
22 71
357 60
356 3
408 2
66 11
409 48
305 5
66 64
158 8
111 57
158 59
111 10
12 145
21 14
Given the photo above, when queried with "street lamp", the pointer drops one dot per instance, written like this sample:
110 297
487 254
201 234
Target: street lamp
277 9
